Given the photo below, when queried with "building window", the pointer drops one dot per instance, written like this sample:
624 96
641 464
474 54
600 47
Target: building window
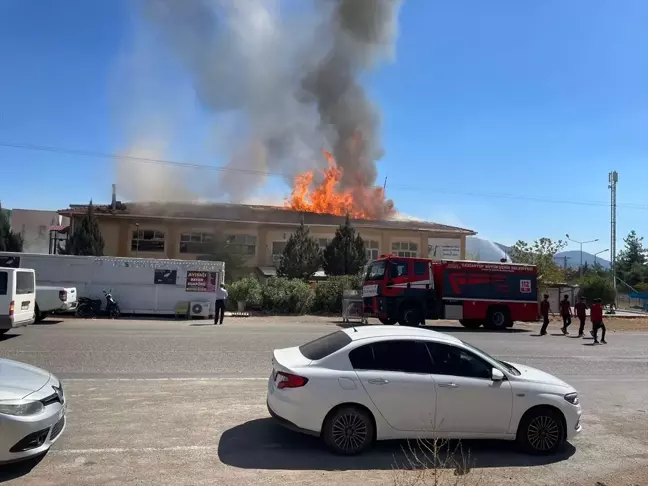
196 242
245 244
148 241
372 249
405 248
278 248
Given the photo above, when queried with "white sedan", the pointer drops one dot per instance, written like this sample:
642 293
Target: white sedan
32 411
370 383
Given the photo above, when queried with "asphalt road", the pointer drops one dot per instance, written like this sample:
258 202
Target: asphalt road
169 402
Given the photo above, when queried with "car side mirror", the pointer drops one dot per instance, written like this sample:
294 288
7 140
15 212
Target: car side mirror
497 375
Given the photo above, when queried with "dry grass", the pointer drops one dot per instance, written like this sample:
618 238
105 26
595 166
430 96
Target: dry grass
435 463
620 324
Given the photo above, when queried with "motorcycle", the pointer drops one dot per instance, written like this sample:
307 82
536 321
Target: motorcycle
88 307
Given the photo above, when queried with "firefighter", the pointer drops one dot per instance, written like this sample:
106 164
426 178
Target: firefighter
545 309
565 313
581 313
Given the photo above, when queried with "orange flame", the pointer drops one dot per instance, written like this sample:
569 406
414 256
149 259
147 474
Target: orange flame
358 202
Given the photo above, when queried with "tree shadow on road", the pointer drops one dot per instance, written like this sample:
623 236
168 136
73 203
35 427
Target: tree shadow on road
9 472
264 444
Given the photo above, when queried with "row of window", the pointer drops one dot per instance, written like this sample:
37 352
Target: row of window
199 242
405 356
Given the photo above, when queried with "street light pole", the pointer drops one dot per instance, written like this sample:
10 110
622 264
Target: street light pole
598 253
581 243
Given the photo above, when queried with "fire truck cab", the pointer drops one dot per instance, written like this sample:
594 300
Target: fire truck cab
410 290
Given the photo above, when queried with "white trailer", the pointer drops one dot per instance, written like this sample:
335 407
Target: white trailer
139 285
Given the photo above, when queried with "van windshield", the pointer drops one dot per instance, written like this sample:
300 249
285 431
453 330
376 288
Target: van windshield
376 270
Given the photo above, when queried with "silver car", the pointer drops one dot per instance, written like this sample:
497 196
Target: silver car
32 411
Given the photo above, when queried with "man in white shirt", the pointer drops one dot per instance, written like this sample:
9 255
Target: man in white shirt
221 298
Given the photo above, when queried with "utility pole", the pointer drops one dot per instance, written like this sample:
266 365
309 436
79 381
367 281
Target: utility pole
613 178
581 243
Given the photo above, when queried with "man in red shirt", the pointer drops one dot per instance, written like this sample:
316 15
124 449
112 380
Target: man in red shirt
581 309
545 308
596 314
566 313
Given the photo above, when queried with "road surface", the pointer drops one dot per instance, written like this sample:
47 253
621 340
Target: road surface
172 402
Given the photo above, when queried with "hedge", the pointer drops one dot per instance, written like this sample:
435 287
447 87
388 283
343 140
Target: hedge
286 296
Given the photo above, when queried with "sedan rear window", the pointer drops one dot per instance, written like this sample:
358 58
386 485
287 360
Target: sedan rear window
325 346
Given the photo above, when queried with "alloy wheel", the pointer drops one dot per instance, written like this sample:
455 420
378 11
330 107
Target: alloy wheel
543 433
349 432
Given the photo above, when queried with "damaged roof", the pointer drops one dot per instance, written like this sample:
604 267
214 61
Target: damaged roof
254 214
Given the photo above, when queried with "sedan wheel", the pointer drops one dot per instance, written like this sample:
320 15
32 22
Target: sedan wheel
348 431
541 432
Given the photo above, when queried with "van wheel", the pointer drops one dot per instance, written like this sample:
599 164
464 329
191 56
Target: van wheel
38 315
410 316
497 318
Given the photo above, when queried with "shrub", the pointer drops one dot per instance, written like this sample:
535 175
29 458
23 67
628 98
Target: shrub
595 287
328 293
247 290
286 296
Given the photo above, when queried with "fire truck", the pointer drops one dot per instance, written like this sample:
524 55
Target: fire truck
410 290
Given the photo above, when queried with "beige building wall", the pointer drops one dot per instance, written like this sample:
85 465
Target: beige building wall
118 233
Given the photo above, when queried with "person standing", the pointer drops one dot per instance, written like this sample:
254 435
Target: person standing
566 313
596 314
545 308
221 300
581 313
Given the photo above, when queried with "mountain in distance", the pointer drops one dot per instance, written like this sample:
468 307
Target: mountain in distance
490 251
573 259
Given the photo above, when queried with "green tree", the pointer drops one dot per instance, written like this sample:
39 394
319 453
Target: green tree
540 253
596 287
86 238
345 254
301 256
220 250
632 260
9 241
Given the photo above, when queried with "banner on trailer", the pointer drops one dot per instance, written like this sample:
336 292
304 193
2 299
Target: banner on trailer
201 281
165 277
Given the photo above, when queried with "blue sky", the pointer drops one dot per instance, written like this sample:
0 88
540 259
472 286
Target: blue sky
501 116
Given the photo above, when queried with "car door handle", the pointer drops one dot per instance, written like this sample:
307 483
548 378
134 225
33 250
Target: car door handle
378 381
448 385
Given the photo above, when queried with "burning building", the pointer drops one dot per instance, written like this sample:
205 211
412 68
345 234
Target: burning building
185 231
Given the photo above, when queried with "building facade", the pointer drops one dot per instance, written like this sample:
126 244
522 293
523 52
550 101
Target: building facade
34 226
185 231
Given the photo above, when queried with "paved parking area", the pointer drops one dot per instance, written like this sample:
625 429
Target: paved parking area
168 402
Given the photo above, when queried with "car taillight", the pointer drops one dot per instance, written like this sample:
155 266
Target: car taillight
63 295
11 308
288 380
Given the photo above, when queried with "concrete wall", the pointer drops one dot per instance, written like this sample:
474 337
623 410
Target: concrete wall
117 234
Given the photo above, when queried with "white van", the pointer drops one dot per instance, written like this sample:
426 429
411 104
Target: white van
17 297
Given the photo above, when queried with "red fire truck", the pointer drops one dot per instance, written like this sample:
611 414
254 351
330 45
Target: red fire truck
410 290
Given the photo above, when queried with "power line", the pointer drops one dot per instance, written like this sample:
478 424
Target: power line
189 165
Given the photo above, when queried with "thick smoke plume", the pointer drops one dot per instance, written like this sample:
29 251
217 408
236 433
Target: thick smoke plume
280 80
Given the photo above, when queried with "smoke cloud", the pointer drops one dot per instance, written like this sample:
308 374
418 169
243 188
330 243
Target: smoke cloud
280 81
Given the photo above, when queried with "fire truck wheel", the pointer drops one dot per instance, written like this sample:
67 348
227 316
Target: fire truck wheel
497 318
471 323
410 315
387 321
